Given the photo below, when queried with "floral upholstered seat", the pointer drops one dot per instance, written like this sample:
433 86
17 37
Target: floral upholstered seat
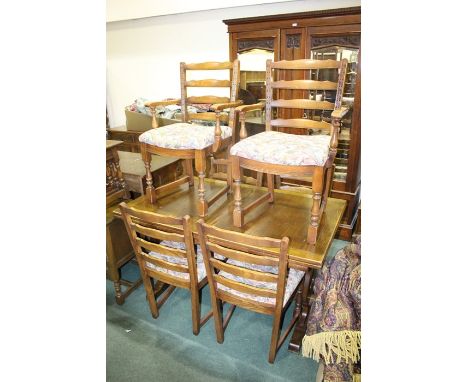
201 271
284 149
183 136
293 280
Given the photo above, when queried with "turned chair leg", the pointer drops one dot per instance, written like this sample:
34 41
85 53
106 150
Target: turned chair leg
271 187
229 175
200 166
150 190
189 170
317 189
238 216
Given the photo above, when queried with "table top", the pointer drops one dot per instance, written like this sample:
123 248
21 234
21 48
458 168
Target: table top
112 143
287 216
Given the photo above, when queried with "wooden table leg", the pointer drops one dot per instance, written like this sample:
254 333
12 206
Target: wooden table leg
301 326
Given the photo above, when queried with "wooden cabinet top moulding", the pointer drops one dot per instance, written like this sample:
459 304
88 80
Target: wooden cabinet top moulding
321 18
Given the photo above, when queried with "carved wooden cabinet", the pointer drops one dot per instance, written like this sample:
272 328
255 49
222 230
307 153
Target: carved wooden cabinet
324 34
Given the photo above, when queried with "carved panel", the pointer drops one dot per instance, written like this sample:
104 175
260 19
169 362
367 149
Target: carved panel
293 41
244 45
351 41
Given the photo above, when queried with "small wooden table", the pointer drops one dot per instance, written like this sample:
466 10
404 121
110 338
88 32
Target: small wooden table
287 216
163 169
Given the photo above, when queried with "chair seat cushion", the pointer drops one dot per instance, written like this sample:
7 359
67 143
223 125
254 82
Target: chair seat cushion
201 271
285 149
294 278
182 136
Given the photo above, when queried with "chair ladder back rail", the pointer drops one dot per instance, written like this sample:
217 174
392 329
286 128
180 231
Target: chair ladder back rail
150 217
270 251
156 233
303 104
159 248
301 123
168 278
207 99
208 83
245 288
244 272
304 85
164 264
209 65
207 116
306 64
242 238
242 255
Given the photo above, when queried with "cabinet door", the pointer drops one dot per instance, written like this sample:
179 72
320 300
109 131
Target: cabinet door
335 45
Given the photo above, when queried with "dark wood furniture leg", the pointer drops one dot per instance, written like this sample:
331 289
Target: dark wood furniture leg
118 253
302 305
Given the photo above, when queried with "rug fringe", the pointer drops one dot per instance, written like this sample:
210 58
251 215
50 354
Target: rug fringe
333 347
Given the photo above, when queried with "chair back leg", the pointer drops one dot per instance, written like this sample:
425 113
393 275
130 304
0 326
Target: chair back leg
195 294
150 295
188 168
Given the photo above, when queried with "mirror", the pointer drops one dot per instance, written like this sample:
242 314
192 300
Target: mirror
253 57
337 48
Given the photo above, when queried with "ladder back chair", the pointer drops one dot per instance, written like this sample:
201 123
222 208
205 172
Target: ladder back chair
191 140
165 252
253 275
281 153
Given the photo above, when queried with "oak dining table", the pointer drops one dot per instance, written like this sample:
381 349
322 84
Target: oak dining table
288 216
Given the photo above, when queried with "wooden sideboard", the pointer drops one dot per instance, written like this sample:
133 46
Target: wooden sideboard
334 34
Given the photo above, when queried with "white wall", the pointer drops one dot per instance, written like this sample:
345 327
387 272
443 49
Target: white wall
118 10
143 55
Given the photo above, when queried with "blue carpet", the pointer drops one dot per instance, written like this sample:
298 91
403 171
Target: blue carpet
140 348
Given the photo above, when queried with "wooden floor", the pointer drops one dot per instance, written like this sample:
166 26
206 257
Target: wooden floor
287 216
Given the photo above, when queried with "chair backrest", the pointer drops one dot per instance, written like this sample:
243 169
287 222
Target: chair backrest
147 230
233 279
232 84
319 97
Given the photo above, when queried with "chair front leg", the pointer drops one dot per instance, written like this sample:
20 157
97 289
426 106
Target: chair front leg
237 214
317 189
200 166
150 190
